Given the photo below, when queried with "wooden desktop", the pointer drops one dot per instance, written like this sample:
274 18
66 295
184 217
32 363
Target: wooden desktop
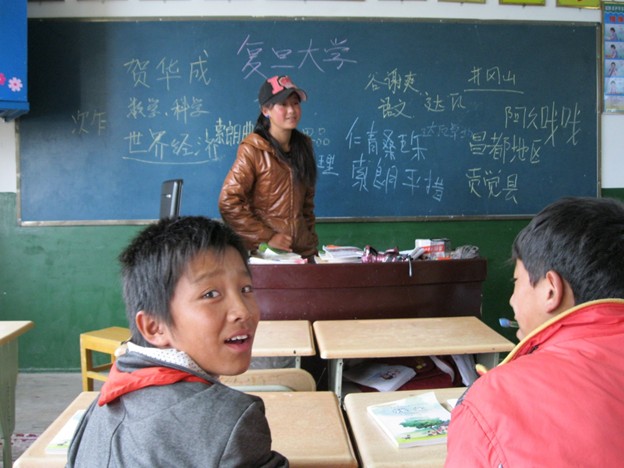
339 340
373 447
10 331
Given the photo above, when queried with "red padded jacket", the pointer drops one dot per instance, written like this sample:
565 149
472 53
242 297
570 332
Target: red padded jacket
555 401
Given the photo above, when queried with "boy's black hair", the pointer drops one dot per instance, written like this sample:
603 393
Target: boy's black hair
582 239
156 259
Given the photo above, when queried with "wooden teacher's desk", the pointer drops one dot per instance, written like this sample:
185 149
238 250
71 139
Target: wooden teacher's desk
9 333
306 427
374 448
348 339
342 291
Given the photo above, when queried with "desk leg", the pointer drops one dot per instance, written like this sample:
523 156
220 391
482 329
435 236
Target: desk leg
489 360
8 379
335 377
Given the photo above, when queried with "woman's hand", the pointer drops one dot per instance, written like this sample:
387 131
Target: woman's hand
281 241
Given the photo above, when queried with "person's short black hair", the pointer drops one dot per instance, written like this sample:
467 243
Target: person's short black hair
582 239
157 257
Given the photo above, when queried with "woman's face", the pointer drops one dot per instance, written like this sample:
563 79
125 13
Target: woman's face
284 115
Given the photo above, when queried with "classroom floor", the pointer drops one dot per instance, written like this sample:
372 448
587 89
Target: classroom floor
40 398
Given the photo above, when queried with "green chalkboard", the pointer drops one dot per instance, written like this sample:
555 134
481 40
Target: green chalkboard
410 119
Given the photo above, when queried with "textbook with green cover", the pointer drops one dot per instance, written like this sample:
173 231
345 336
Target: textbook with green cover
413 421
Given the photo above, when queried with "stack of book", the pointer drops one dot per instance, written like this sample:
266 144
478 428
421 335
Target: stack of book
340 254
266 254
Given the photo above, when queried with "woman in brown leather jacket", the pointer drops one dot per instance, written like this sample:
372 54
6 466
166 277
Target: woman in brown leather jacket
268 194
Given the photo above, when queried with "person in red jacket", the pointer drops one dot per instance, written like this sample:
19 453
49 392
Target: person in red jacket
268 194
556 400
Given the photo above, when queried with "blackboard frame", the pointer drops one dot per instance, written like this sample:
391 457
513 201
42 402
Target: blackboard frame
24 221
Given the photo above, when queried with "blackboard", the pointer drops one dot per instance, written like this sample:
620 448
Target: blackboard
410 119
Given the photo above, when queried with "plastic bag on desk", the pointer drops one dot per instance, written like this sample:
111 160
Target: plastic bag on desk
371 255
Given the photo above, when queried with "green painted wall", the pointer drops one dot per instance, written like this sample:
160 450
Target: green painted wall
66 280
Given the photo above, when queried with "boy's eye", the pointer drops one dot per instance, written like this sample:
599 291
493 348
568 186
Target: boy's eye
248 288
211 294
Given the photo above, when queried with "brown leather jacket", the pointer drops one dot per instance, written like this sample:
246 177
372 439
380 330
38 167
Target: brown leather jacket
261 196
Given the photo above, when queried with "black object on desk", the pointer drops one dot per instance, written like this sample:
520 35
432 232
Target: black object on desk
170 198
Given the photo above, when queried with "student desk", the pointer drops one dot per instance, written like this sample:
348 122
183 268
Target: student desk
307 427
284 338
374 448
9 333
347 339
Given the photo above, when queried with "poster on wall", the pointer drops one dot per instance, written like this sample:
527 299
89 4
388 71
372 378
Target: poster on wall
579 3
613 56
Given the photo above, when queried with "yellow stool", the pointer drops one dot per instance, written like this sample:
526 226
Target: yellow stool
106 341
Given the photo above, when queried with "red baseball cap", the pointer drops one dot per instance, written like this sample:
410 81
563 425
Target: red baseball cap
277 89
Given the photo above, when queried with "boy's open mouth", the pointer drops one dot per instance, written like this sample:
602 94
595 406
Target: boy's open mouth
237 339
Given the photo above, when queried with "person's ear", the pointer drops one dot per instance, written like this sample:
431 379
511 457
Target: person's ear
265 111
557 293
153 330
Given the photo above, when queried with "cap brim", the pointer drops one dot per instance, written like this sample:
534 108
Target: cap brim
284 94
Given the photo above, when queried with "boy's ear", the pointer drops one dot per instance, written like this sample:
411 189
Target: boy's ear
559 294
153 330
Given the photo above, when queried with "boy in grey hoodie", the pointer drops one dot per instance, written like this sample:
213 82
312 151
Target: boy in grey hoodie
191 309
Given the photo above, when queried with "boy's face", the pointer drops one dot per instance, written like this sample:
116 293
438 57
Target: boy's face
527 301
214 313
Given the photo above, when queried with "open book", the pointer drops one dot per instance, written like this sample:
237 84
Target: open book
412 421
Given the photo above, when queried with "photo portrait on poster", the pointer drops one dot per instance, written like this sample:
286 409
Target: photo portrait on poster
613 57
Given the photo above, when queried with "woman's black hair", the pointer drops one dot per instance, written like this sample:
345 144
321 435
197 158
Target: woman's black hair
301 155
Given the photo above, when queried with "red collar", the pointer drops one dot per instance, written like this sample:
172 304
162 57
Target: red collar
119 383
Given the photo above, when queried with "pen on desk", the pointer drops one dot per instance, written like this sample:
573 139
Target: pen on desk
506 323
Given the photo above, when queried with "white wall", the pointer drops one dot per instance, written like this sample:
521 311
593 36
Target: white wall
8 153
612 125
